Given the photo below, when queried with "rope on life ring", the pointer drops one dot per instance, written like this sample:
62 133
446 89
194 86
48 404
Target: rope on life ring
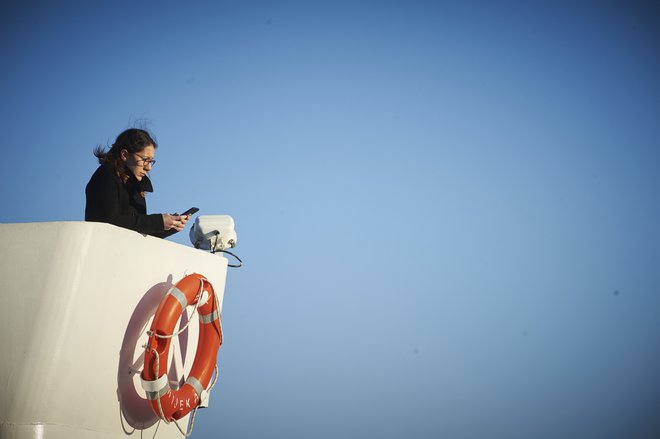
167 403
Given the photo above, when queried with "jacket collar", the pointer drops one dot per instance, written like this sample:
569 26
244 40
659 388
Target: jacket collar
143 185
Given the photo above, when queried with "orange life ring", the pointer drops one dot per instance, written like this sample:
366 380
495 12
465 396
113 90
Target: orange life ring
167 403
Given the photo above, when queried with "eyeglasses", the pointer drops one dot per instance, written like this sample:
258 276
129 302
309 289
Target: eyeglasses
146 160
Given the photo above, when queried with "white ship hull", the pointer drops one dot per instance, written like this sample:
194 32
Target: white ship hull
76 301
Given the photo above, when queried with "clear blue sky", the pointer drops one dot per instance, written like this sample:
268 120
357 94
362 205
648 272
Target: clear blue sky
449 211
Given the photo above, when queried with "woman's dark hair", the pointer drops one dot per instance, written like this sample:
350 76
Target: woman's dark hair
132 140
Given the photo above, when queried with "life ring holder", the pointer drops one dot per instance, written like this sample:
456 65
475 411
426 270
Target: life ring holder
171 404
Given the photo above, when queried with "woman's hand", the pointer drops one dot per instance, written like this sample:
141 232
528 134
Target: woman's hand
176 222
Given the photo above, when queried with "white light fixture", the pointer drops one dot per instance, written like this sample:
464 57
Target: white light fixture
213 233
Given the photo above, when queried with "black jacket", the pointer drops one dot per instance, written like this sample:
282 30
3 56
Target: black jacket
110 200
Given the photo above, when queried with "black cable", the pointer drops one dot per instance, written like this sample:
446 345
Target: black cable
237 258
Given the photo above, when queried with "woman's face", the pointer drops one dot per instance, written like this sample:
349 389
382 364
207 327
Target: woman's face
139 162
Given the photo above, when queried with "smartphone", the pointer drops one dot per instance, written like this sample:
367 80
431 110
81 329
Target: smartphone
190 211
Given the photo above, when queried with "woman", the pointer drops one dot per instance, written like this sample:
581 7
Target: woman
116 192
